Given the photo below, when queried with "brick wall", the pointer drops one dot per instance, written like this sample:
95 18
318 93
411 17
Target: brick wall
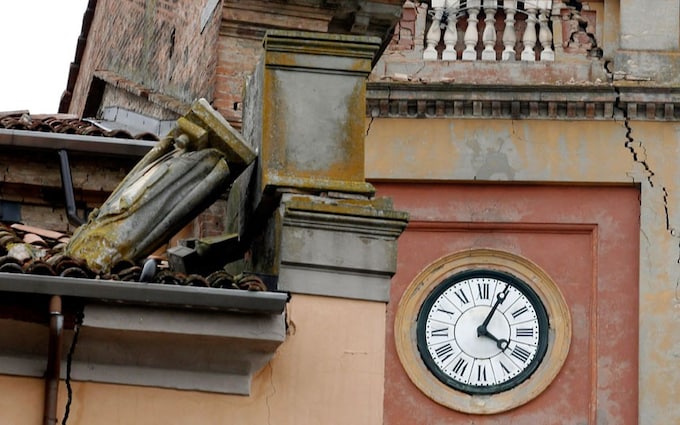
236 61
33 179
158 44
212 221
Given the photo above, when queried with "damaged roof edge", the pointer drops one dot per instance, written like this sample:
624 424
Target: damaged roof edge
75 143
184 297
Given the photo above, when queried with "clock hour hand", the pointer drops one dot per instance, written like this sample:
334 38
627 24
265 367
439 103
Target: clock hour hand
502 344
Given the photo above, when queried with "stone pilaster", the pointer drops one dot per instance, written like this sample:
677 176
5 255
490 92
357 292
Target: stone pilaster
308 95
304 112
649 41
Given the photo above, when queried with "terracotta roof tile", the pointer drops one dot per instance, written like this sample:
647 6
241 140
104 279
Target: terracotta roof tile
63 123
32 250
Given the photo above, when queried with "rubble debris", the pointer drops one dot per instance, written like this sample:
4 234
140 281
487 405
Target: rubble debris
203 256
54 262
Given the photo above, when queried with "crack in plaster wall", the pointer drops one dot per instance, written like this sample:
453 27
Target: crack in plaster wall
270 394
641 158
375 112
370 123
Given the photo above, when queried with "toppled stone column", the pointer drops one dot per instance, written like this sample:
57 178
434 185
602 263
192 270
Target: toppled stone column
174 182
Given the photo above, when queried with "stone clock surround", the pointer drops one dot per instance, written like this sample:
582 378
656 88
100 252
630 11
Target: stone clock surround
431 277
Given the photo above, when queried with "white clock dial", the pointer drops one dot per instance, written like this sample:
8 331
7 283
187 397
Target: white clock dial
482 331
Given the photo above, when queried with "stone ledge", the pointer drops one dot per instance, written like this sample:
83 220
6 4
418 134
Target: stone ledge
205 351
186 297
339 248
207 341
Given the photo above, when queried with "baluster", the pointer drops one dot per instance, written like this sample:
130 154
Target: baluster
544 33
529 38
451 33
489 34
509 35
434 34
471 32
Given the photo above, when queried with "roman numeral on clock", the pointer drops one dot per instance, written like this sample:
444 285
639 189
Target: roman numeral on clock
481 373
461 296
440 332
520 354
444 352
519 332
450 313
519 312
460 366
483 291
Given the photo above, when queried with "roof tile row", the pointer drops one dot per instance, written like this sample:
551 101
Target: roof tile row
31 250
62 123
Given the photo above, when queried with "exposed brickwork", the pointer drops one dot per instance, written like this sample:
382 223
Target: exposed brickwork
405 31
33 179
157 44
46 217
236 61
211 221
578 30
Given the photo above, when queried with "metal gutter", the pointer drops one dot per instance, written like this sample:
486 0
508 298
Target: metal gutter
75 143
67 187
184 297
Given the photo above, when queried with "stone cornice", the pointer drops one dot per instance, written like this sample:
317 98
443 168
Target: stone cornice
186 338
338 247
388 224
252 18
569 102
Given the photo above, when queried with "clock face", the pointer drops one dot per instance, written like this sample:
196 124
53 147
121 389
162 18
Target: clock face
482 331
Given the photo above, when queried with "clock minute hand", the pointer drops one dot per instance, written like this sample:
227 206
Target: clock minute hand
500 297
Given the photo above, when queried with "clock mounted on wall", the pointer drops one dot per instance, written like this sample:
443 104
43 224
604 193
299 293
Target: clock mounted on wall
482 331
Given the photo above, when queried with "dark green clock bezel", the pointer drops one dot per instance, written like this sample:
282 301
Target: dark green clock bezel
522 287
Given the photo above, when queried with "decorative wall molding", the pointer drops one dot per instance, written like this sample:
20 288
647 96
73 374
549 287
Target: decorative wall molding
570 102
338 248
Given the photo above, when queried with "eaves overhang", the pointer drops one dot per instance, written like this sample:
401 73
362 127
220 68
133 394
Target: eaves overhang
143 334
26 139
140 293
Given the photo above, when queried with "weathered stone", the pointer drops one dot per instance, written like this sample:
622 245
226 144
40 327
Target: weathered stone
309 104
186 172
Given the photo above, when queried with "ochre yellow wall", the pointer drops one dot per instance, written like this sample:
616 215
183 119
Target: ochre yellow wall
462 149
21 400
329 370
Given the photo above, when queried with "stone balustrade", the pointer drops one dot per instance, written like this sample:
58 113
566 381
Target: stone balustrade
523 29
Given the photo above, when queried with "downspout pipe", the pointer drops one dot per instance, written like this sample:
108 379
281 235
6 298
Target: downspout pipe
52 372
67 187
